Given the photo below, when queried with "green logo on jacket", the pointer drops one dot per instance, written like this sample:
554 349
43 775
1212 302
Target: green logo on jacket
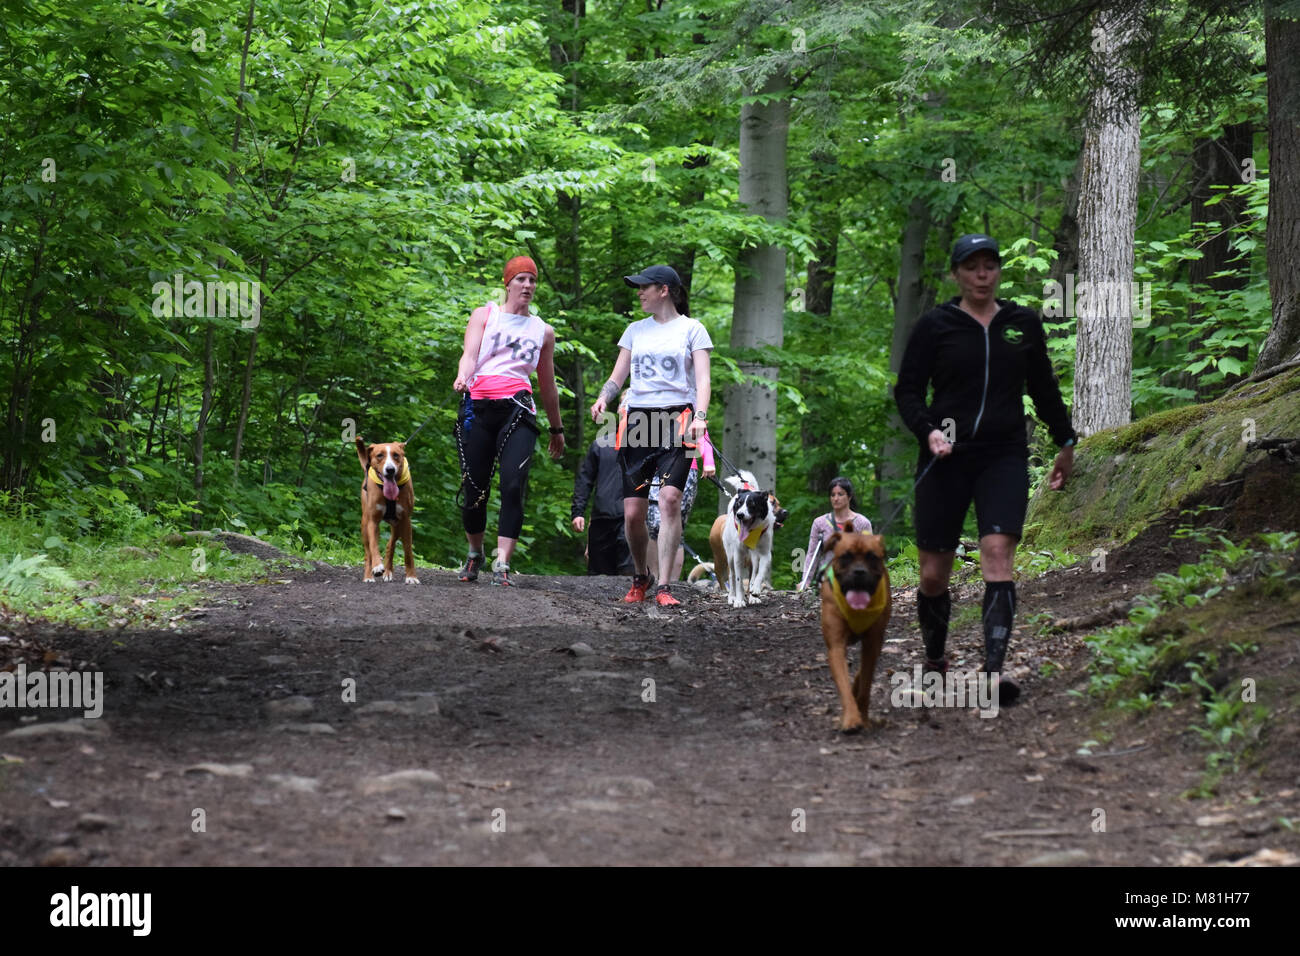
1012 335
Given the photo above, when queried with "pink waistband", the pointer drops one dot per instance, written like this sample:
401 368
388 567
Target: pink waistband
498 386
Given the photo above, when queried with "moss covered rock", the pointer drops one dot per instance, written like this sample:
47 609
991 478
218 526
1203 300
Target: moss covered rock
1128 478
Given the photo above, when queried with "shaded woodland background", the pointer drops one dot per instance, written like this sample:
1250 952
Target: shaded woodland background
804 165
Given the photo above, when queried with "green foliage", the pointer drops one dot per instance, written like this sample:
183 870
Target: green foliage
371 166
25 576
1129 658
122 567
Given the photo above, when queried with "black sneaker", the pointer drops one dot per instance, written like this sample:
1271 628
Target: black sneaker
940 665
1008 691
473 565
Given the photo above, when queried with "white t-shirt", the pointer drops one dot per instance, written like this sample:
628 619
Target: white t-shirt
663 371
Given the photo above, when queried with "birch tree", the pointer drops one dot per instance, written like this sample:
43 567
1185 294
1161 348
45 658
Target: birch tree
1107 219
758 310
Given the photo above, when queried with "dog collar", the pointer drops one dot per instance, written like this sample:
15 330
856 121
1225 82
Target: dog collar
751 539
402 479
858 621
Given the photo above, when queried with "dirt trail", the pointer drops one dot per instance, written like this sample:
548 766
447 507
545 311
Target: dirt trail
480 734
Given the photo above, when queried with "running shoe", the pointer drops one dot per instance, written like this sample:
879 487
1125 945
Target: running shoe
473 565
501 573
940 665
637 592
1008 691
664 598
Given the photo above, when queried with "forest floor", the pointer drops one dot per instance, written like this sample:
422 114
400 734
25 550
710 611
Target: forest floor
313 719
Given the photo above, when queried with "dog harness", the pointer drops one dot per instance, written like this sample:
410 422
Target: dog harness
390 506
859 621
521 414
683 425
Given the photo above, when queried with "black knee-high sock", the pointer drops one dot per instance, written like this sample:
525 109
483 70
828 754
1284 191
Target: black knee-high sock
999 613
933 613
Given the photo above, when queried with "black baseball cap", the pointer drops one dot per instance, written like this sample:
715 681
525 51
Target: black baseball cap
654 275
970 244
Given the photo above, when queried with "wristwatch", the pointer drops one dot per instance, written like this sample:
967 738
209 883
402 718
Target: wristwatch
1069 443
557 429
701 416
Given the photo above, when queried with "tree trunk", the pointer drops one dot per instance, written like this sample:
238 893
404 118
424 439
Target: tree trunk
758 315
567 274
567 46
1217 162
1103 377
201 427
819 297
914 296
1066 241
200 433
1282 238
247 394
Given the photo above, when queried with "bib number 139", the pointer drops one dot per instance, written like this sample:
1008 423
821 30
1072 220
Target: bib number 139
649 366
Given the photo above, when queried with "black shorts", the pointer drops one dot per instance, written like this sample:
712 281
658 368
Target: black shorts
653 445
995 477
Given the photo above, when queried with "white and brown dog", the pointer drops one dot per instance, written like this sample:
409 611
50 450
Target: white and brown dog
746 539
387 494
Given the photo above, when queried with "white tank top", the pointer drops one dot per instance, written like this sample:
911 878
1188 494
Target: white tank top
512 344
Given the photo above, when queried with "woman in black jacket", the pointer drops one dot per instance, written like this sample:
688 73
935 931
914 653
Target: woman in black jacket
980 354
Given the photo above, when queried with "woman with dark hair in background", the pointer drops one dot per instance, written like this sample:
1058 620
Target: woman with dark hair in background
843 503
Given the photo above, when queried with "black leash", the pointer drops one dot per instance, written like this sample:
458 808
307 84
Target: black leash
422 424
464 422
698 560
727 461
898 510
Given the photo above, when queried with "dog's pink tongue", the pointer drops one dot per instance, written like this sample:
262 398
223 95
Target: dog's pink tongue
390 489
858 600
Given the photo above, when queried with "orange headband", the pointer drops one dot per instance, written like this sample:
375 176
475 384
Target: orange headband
519 264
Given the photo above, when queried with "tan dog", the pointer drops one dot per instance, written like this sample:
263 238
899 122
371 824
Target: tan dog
387 494
856 604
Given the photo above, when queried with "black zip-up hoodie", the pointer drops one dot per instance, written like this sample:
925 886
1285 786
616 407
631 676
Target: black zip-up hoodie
599 471
979 377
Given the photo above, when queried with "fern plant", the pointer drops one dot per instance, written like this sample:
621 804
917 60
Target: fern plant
19 575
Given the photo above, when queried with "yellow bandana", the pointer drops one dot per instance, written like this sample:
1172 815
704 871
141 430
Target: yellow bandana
751 539
859 621
402 479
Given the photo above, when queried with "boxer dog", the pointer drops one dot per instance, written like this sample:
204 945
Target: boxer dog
855 607
387 494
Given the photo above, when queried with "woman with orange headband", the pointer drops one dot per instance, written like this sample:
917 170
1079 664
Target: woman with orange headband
504 345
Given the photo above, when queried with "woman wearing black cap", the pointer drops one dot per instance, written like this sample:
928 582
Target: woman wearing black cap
980 354
667 410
